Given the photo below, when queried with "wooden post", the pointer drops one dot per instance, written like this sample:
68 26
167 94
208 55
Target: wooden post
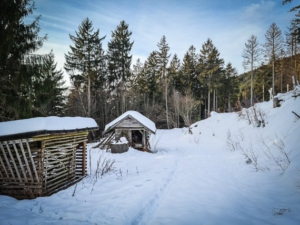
144 141
83 158
130 138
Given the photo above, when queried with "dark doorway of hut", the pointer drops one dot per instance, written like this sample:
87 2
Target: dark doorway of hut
137 139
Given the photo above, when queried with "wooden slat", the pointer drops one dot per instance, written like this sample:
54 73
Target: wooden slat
20 162
13 162
3 166
7 162
60 136
25 159
32 162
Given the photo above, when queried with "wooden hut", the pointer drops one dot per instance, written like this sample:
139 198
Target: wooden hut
135 127
41 156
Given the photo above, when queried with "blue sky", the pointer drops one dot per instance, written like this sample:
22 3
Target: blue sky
229 23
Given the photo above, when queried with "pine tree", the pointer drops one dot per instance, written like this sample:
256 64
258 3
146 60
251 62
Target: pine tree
17 41
162 61
84 59
273 45
251 55
119 59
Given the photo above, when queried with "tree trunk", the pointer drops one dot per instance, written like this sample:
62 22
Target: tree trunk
214 100
166 95
208 104
229 105
89 97
273 78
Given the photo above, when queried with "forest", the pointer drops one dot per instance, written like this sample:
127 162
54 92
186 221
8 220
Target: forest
105 83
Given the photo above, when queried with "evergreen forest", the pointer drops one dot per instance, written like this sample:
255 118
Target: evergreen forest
105 82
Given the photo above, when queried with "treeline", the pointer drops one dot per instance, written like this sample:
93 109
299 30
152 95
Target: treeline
172 92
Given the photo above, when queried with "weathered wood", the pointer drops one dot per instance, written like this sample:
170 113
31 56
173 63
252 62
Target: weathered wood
59 136
25 159
52 161
7 161
3 166
83 158
119 148
20 162
14 163
32 162
105 140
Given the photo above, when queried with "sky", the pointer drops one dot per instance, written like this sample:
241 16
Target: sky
229 23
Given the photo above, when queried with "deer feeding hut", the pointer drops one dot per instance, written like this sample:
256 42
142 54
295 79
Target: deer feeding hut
41 156
135 127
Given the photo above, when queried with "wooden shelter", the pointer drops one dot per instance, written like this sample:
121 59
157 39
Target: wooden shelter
135 127
41 156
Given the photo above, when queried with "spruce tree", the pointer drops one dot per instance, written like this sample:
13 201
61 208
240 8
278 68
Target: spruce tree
84 59
49 89
18 40
119 59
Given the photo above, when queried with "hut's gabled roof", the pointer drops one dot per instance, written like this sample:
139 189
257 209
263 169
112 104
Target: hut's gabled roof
147 123
45 125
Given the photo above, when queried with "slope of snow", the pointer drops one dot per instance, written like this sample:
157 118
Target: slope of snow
195 177
51 123
139 117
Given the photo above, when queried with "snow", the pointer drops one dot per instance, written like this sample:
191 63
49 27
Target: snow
122 140
139 117
191 179
51 123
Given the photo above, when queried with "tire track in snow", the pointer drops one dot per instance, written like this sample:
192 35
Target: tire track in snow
150 207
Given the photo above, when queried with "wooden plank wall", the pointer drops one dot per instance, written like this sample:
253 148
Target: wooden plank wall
42 165
60 161
20 168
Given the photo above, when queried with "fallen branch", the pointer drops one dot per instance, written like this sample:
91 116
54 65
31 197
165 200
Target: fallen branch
296 114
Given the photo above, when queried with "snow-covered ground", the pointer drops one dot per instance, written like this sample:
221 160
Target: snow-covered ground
196 176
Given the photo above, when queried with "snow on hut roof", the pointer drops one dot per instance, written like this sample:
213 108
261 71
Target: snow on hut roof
43 125
136 115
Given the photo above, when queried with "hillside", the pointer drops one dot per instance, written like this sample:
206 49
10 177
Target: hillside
222 170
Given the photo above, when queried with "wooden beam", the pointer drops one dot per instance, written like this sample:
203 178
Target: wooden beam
7 162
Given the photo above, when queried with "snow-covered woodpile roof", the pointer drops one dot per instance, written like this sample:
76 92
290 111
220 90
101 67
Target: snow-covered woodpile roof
144 121
45 125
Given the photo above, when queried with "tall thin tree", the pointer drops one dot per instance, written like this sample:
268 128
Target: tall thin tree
251 55
273 45
162 60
